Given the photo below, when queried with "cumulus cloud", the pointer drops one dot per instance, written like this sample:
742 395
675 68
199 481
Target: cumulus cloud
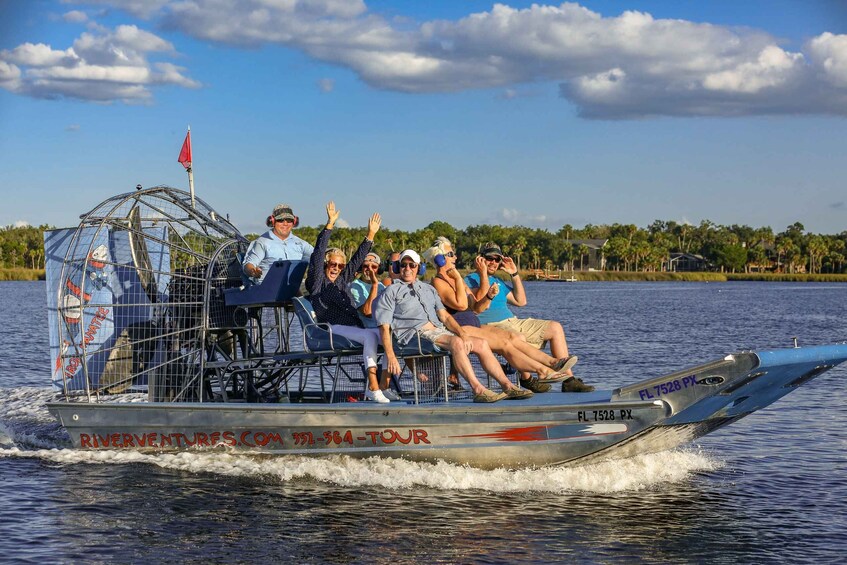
102 66
140 8
515 217
21 224
326 85
75 17
630 65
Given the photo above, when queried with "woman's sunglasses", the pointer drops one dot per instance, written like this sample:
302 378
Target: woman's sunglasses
332 264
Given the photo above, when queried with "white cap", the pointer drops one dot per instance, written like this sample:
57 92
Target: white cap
411 254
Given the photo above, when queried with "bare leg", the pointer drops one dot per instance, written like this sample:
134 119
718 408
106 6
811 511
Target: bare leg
502 342
373 383
489 362
555 334
460 360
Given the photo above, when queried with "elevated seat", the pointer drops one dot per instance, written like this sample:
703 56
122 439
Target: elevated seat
279 286
318 337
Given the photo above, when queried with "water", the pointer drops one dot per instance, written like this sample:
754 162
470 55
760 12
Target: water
770 487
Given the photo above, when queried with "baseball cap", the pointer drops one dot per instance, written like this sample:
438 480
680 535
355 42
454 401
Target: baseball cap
411 254
491 248
283 212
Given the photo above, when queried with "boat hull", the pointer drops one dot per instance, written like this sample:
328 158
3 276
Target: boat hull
511 435
548 429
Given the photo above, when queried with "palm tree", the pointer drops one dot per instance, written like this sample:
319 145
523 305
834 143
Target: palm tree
582 251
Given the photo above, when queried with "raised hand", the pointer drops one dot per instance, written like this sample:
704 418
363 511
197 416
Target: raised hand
373 225
371 276
509 266
493 290
479 262
331 214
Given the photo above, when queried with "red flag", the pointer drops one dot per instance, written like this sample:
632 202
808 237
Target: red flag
185 154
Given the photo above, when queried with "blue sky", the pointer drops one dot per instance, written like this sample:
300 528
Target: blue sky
463 111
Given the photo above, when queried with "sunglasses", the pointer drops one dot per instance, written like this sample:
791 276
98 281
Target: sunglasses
285 221
494 258
332 264
372 266
450 254
408 265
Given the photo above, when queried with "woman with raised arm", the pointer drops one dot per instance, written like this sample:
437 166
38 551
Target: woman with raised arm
460 302
328 283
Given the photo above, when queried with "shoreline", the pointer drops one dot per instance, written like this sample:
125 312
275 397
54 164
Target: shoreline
18 274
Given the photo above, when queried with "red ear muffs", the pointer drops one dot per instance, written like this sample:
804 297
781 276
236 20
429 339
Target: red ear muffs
270 221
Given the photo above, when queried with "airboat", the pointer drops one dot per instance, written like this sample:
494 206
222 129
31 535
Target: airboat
158 344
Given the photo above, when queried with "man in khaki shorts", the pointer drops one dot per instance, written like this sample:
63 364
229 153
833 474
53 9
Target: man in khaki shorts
496 302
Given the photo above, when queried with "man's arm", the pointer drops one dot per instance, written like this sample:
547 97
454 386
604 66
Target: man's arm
517 296
367 306
393 365
252 259
451 324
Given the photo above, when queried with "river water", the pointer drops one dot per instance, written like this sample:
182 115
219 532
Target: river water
771 487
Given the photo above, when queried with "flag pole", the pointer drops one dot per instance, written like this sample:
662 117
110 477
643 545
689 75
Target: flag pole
190 170
185 160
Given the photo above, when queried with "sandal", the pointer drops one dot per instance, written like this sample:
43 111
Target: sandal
565 363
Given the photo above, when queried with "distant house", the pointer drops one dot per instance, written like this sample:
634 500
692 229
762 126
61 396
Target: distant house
596 258
682 262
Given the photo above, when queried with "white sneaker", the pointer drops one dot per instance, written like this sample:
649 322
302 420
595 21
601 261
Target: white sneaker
376 396
390 394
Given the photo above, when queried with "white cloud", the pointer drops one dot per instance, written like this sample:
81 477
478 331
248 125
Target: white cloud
326 85
830 53
141 8
514 217
72 127
75 17
21 224
624 66
774 67
101 66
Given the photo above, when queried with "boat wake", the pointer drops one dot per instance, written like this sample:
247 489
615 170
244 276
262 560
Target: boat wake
27 430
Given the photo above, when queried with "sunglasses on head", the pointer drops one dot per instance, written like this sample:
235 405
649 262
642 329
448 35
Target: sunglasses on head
331 264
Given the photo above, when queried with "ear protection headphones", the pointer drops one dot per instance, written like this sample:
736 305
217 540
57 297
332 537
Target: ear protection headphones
439 260
270 221
395 268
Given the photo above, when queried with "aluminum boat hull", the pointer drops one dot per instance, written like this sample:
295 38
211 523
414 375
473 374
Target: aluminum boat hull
548 429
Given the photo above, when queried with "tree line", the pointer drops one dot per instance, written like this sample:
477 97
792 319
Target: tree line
625 247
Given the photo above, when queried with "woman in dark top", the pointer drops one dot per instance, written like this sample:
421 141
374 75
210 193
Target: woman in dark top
328 283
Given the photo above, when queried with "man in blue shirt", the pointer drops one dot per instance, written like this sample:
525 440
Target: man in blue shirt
410 307
497 313
278 243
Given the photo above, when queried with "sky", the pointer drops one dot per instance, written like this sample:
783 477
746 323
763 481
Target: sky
470 112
